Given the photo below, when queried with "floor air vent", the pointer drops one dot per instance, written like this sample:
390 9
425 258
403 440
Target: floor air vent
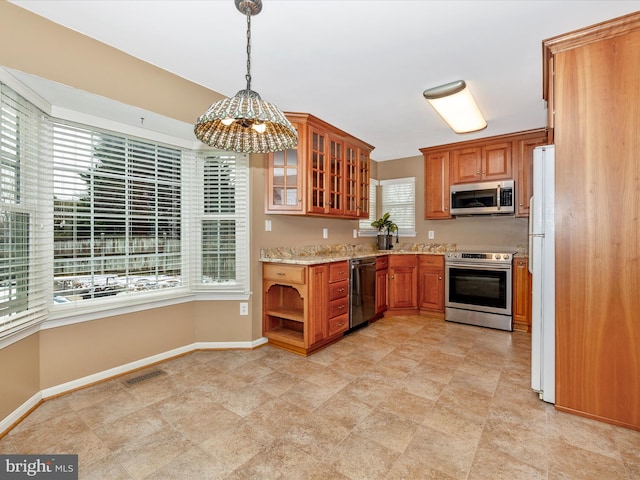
141 378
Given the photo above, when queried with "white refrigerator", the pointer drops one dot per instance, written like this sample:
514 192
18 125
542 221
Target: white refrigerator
542 268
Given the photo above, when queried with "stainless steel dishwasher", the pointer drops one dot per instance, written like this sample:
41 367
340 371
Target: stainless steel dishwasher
362 291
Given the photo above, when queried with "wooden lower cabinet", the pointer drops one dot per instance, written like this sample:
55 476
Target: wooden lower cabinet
431 284
521 307
305 308
382 273
403 284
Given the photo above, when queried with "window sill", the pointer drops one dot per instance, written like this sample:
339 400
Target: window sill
62 315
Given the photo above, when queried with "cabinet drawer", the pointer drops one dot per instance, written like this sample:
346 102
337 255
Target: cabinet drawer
338 324
382 262
432 260
338 289
404 260
284 273
338 271
338 307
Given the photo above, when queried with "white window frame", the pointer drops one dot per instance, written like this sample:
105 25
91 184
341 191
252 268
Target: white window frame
402 213
74 312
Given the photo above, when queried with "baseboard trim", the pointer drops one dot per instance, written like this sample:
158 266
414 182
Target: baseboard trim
11 420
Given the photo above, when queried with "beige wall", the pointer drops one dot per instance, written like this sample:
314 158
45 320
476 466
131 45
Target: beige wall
75 351
19 374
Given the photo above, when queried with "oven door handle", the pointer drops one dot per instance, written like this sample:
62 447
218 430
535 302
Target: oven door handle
477 266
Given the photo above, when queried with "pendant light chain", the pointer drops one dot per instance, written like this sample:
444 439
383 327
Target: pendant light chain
248 75
245 122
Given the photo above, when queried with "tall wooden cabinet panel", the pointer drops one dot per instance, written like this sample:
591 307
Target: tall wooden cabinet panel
431 284
596 70
436 185
327 174
403 284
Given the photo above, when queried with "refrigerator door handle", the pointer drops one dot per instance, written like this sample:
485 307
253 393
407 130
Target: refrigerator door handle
530 235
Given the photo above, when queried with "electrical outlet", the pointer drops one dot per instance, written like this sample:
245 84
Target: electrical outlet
244 308
267 225
355 233
325 233
431 235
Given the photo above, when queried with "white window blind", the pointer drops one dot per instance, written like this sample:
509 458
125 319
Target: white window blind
117 214
364 225
24 236
224 218
399 199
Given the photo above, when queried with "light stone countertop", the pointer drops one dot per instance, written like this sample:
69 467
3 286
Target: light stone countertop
315 254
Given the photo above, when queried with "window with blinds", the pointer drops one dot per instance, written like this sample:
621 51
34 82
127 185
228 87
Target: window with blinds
117 214
224 220
92 217
24 257
399 199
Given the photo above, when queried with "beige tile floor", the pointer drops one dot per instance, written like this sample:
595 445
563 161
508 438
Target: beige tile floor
405 398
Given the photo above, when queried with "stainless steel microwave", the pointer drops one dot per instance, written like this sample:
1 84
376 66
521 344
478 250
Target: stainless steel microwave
484 198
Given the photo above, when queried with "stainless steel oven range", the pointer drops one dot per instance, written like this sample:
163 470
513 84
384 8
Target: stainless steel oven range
478 289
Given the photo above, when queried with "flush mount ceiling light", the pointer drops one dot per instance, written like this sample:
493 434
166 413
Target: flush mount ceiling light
455 104
246 123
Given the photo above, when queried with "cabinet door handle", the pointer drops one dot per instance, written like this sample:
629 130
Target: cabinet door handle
341 324
341 307
341 290
391 277
439 278
280 274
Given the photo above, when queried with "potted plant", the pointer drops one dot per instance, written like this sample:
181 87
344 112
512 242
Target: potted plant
385 227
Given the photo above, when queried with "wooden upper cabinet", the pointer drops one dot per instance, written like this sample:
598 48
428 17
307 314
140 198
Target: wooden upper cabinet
481 163
496 162
436 185
502 157
466 165
317 171
364 182
523 158
285 182
351 197
327 174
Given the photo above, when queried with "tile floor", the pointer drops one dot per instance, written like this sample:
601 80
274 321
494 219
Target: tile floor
405 398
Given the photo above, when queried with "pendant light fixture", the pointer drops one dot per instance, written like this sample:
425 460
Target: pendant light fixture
455 104
245 123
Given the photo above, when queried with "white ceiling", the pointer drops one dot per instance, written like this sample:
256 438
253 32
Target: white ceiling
360 65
